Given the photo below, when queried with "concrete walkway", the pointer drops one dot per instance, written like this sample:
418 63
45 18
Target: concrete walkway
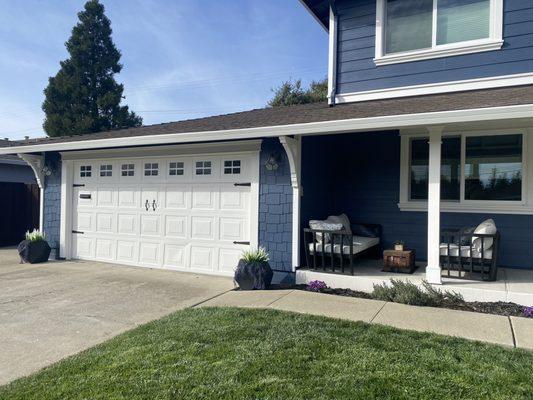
512 332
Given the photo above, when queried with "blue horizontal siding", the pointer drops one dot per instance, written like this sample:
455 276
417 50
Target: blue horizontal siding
350 178
356 50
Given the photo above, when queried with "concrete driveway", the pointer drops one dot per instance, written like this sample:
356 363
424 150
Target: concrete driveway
53 310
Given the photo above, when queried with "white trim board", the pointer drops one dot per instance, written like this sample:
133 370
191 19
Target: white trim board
438 88
184 149
310 128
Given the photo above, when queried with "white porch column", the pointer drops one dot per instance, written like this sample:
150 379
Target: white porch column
293 148
433 271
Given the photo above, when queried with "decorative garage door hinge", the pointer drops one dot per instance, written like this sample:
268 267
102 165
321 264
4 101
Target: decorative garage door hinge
243 184
78 185
237 242
81 233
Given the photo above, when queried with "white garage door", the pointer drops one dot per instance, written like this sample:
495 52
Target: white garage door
190 213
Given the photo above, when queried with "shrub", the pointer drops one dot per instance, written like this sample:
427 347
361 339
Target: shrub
35 236
408 293
316 286
255 256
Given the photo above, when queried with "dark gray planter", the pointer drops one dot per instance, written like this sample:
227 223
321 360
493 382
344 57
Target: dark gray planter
34 252
253 276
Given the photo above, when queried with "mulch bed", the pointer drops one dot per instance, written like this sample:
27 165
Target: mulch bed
497 308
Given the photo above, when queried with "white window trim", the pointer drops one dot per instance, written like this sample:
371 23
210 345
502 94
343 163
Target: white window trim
525 206
493 42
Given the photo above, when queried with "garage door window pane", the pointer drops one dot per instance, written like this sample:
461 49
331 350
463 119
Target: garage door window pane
176 168
232 167
151 169
203 167
85 171
106 170
128 170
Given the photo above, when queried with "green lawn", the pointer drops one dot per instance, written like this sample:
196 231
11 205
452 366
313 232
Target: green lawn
229 353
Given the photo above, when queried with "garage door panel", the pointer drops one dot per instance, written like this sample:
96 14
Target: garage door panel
84 198
105 249
202 257
175 256
105 222
176 197
228 259
176 226
203 197
203 228
83 221
129 197
127 224
150 225
231 199
150 253
232 229
127 251
84 247
106 197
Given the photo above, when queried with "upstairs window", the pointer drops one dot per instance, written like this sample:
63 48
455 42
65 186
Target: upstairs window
421 29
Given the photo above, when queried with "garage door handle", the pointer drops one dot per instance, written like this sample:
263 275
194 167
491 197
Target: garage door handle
153 205
246 243
147 205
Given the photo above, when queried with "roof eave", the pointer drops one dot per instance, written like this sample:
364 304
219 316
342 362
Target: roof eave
310 128
326 28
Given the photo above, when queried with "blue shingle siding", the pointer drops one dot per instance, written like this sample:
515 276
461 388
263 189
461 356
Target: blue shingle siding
359 175
356 49
52 201
275 207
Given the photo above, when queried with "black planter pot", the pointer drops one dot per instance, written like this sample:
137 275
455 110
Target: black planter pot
34 252
253 276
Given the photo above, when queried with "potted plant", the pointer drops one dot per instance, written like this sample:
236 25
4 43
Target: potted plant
253 271
399 245
34 249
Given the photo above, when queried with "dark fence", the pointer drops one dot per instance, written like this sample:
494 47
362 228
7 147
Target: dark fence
19 211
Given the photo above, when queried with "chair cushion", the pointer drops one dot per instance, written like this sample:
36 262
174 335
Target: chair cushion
360 244
465 251
487 227
324 226
364 230
341 219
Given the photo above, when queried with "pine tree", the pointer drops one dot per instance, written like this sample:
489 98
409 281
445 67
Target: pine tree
84 97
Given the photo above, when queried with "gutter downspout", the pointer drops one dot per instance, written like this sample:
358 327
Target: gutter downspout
332 59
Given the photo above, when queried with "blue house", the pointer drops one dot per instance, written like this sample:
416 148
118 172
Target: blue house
428 127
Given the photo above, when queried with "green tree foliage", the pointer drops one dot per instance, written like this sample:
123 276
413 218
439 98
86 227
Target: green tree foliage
290 93
84 97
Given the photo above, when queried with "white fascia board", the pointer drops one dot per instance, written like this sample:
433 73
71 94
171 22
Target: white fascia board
310 128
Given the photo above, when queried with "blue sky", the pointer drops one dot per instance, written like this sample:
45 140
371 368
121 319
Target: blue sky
182 59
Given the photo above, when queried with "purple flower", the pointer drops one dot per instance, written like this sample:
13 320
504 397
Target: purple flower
528 312
316 286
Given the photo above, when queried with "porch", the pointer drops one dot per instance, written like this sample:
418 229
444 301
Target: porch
513 285
373 178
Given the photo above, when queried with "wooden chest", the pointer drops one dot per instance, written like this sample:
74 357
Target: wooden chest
399 261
